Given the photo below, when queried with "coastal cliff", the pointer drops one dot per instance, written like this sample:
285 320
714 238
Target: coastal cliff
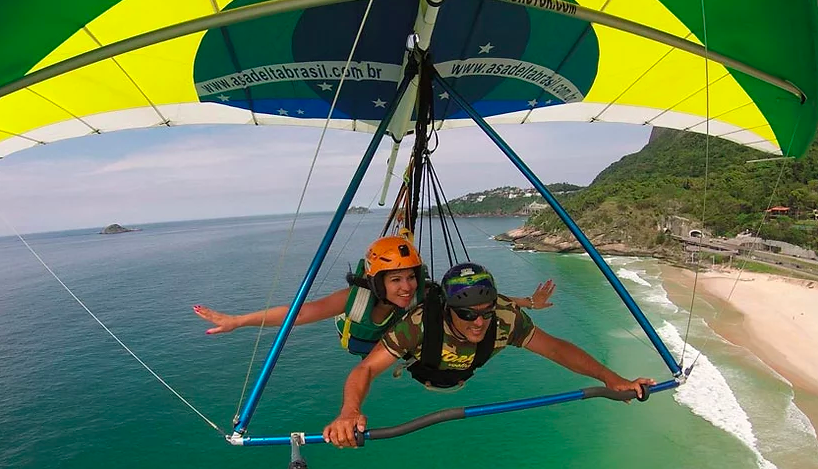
639 204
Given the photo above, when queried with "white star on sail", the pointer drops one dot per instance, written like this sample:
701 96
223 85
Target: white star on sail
325 86
549 101
283 112
486 49
300 111
379 103
444 95
223 98
532 103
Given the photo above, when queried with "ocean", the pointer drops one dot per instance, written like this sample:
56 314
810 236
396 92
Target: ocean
74 398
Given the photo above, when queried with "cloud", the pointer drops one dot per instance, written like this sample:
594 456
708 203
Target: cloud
212 171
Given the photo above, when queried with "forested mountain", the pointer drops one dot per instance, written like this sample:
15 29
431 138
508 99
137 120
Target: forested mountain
671 176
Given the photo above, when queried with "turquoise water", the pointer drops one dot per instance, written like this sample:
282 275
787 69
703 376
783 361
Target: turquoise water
73 398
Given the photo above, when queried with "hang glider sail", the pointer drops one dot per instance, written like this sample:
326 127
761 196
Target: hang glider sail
91 66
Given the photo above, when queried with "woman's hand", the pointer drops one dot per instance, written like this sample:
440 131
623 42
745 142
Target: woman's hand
223 322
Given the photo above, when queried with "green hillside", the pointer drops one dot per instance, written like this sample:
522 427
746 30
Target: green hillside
635 196
503 201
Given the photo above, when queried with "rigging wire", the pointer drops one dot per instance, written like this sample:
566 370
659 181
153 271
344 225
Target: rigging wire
415 197
448 208
425 132
706 178
756 236
342 250
427 194
300 202
444 222
757 231
117 339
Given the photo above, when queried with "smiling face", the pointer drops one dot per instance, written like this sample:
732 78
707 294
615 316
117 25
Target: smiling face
400 286
474 331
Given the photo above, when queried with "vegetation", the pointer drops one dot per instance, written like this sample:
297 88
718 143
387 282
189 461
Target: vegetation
504 201
634 196
560 187
759 267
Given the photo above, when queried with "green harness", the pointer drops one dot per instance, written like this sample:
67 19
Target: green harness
357 331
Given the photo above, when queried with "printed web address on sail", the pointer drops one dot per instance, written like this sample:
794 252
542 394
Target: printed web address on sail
538 75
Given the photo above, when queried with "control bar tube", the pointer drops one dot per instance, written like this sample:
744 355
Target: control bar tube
459 413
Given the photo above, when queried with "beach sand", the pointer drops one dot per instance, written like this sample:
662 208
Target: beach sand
775 318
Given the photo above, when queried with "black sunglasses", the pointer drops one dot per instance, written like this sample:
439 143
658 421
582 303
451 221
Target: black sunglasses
469 314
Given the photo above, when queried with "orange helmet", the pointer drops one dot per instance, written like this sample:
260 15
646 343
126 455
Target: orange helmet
390 253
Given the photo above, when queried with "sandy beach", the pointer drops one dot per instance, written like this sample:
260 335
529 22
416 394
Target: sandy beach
777 321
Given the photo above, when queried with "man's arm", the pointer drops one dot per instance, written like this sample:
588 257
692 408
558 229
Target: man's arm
341 430
577 360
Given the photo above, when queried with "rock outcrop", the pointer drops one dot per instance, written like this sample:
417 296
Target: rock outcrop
117 228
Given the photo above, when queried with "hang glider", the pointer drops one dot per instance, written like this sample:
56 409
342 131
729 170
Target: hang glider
744 70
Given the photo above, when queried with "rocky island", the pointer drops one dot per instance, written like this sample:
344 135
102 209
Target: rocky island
117 228
358 210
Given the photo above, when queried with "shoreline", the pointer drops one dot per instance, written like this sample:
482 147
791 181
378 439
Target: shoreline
772 317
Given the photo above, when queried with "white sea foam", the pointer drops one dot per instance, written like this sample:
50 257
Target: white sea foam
632 276
531 251
584 256
708 395
798 420
610 260
706 391
658 296
620 261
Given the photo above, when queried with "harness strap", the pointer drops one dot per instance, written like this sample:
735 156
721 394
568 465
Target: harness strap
358 333
426 370
432 328
360 300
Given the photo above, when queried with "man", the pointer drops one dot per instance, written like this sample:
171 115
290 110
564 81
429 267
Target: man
448 339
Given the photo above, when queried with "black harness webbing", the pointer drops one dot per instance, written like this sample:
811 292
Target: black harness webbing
426 369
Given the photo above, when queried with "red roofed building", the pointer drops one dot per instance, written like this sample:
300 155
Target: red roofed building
777 211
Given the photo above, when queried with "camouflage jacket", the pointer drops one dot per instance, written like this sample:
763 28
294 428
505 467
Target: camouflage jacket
514 327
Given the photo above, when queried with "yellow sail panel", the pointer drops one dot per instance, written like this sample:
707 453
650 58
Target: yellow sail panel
664 79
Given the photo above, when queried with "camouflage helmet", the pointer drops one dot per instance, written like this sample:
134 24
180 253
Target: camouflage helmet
468 284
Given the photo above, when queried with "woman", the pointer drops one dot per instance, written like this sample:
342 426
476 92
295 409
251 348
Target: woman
392 271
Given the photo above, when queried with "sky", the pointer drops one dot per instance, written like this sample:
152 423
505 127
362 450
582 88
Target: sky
140 176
